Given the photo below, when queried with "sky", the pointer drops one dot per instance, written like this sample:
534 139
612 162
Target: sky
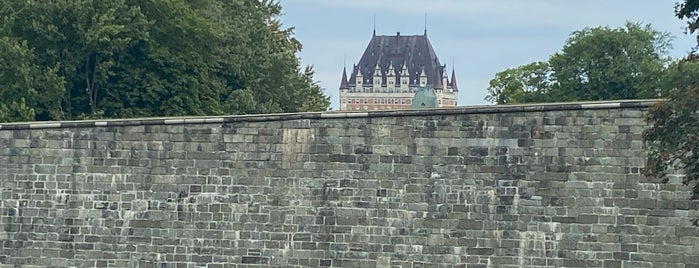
477 38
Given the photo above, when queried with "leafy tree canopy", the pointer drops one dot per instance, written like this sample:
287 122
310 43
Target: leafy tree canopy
689 10
68 59
672 139
599 63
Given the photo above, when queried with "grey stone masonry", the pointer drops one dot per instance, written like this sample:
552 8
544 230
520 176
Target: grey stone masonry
554 185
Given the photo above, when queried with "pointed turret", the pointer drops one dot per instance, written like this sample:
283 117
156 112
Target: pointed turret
439 83
343 83
453 81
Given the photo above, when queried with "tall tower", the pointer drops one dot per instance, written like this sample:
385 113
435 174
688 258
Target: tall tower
390 71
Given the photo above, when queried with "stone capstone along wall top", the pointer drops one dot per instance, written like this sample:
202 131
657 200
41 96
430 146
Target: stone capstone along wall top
332 115
554 185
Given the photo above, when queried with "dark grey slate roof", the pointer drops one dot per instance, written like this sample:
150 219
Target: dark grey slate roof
343 83
412 51
453 81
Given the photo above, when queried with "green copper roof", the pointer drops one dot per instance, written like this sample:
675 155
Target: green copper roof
424 98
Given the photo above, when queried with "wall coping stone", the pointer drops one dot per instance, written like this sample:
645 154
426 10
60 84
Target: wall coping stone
477 109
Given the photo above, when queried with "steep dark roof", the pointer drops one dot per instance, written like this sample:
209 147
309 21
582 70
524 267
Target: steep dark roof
412 51
343 83
453 81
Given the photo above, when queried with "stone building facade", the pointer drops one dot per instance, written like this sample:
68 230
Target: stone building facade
391 69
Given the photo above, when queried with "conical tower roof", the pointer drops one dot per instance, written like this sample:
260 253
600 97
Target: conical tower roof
343 83
452 81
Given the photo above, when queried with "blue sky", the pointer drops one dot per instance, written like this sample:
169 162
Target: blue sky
477 37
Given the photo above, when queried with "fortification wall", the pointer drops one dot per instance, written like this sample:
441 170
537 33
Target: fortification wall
553 185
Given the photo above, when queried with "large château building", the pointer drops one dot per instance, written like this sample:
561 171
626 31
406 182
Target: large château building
390 71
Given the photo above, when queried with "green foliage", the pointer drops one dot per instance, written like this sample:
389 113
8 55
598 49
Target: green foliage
689 10
16 111
25 88
310 94
599 63
672 139
526 83
75 59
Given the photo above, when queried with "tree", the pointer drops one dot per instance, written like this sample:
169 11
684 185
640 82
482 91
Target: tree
128 58
599 63
27 90
672 139
526 83
80 39
264 62
312 98
689 10
162 75
606 64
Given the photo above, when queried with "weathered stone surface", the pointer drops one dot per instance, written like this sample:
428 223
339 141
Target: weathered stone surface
514 186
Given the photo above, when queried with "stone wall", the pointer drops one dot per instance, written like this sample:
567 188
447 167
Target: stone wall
501 186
